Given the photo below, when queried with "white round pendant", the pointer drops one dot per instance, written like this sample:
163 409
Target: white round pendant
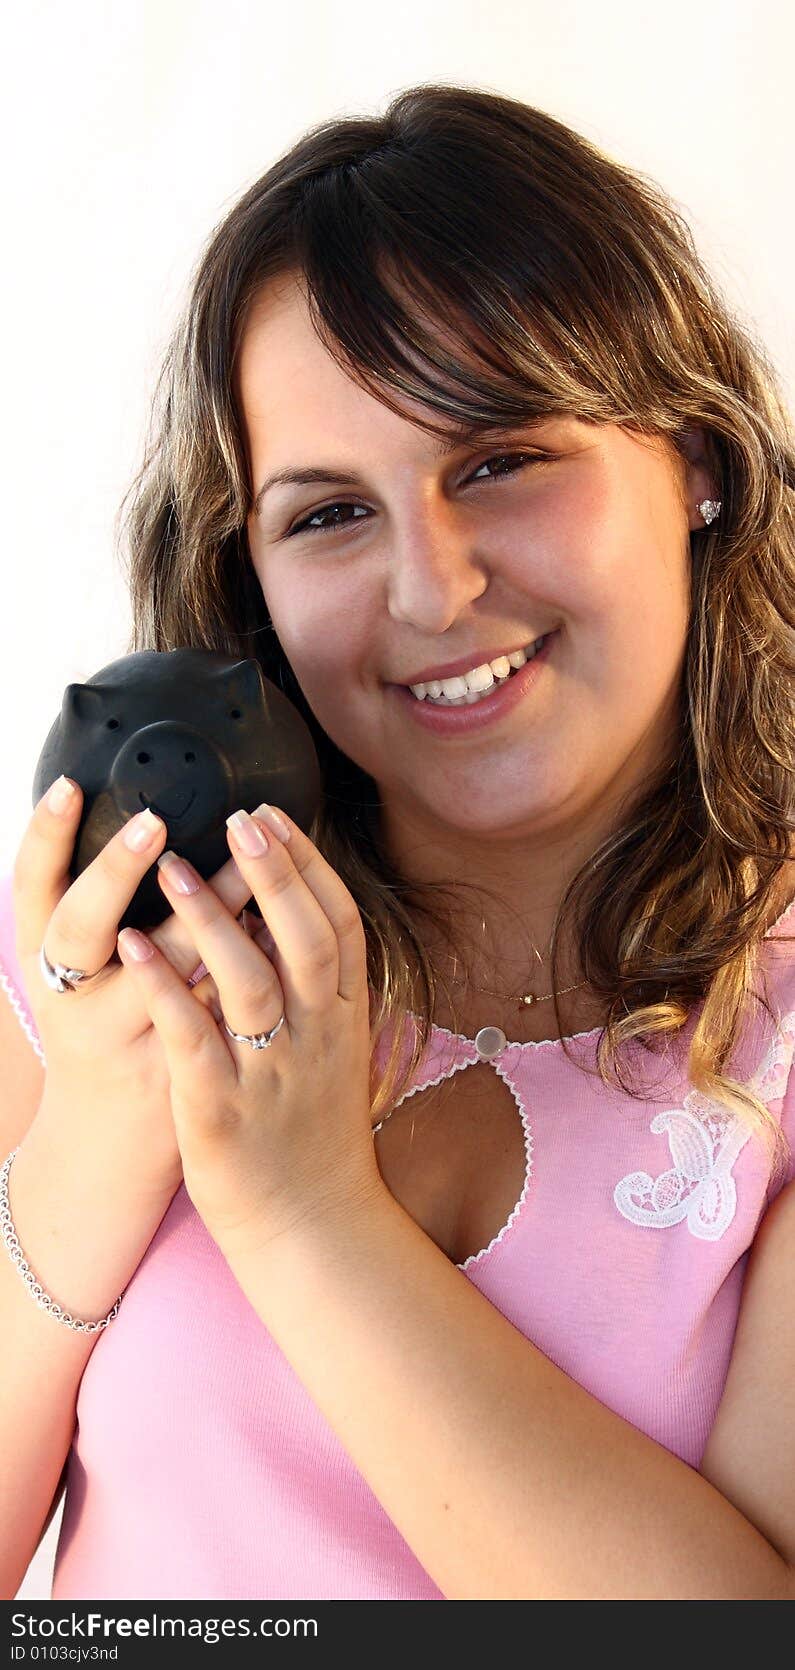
489 1041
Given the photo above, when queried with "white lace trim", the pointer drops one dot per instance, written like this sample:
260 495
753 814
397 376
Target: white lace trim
11 993
705 1140
457 1067
529 1043
770 1080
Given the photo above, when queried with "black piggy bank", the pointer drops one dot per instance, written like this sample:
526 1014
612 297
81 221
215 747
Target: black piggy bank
194 735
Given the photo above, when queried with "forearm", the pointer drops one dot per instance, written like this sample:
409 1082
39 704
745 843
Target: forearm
64 1230
505 1477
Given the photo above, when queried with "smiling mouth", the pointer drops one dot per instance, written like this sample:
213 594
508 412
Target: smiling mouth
474 695
466 716
171 817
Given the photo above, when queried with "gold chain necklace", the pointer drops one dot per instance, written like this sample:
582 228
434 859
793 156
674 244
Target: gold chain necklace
528 998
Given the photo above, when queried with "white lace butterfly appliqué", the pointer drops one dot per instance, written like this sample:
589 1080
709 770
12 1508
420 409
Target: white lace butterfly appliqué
704 1139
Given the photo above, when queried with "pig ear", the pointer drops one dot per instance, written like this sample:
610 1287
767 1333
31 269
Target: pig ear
85 702
245 679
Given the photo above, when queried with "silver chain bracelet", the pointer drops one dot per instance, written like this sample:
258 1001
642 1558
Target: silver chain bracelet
17 1257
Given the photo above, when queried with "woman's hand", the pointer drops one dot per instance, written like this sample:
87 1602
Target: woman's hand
270 1138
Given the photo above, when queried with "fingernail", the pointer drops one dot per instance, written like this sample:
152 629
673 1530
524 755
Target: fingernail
143 831
60 794
249 837
139 947
271 817
178 872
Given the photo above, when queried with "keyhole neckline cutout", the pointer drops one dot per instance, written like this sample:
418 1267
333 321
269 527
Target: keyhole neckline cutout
518 1207
460 1065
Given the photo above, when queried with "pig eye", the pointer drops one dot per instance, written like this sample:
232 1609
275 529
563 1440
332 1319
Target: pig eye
113 724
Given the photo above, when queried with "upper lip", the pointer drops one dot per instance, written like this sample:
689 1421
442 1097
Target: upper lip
465 663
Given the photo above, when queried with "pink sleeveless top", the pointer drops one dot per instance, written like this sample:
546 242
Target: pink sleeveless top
200 1468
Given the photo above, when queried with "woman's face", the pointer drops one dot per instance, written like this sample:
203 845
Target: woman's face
434 557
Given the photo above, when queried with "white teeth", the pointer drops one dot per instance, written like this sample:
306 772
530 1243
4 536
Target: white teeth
469 687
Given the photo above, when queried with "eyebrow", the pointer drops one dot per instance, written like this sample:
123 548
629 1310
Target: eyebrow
345 477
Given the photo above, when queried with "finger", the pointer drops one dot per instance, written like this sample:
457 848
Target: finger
205 988
42 878
196 1052
262 936
80 915
172 935
249 994
41 868
310 913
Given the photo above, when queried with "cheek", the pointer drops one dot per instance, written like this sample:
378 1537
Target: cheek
619 577
647 603
633 659
326 657
566 545
620 586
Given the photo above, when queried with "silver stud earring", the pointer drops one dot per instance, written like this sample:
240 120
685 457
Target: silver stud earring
709 509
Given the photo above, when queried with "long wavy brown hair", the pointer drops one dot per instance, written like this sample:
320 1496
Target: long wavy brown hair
573 286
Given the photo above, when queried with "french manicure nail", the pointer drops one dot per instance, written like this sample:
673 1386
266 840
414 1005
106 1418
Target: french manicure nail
271 817
60 794
138 946
249 837
143 831
177 872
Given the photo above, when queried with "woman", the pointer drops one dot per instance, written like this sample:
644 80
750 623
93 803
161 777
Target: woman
410 1331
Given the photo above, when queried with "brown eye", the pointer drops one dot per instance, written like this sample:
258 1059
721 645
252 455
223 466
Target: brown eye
519 460
500 458
339 504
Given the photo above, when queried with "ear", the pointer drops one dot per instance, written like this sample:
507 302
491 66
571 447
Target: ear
700 477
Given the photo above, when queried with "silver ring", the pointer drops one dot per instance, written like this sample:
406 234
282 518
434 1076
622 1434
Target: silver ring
61 978
58 977
256 1040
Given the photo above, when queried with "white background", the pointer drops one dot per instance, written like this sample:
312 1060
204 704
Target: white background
131 128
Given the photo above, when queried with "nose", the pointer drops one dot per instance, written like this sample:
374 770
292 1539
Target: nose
433 572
